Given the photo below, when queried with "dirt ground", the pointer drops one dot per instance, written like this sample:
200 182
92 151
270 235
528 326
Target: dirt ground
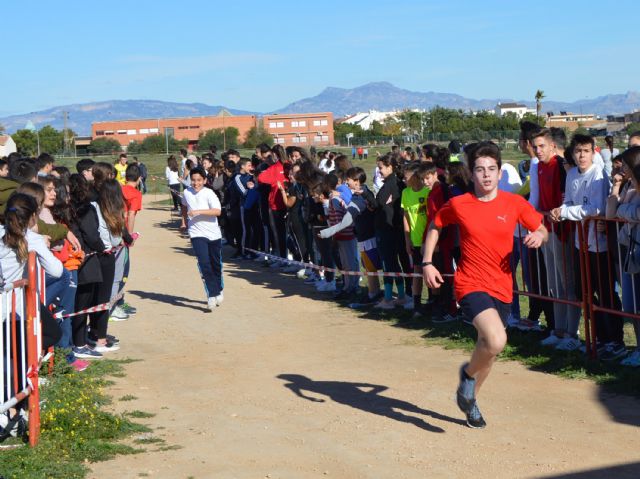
278 384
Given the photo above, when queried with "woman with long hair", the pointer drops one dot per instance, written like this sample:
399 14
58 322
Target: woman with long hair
172 173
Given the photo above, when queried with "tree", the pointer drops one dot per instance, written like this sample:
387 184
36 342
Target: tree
255 136
102 146
227 138
539 96
50 140
26 142
632 128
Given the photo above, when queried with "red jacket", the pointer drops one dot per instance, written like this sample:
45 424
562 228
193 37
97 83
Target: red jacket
272 176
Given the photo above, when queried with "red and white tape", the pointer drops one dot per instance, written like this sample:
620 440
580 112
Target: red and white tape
93 309
335 270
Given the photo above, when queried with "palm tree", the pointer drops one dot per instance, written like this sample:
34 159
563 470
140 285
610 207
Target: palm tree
539 96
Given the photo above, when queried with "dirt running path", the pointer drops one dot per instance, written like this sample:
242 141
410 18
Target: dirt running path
277 384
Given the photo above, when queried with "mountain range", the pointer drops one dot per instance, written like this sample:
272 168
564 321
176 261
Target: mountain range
381 96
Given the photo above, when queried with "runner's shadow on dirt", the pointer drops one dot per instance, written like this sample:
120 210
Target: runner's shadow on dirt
622 471
171 299
365 397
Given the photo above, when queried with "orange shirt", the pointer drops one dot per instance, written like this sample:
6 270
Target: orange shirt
486 240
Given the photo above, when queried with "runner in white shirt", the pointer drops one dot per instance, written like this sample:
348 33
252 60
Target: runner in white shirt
200 210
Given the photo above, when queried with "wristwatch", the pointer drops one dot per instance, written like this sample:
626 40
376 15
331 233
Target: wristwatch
426 263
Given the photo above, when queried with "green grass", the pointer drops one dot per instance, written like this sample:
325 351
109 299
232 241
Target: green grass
128 397
76 427
523 347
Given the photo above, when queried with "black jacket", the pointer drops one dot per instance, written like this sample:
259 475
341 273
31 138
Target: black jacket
387 204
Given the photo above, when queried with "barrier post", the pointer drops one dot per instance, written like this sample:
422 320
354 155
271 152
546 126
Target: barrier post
31 293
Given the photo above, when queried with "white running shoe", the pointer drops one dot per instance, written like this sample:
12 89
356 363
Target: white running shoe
300 274
211 303
219 299
387 305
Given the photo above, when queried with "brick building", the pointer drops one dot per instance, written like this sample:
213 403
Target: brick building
300 129
185 128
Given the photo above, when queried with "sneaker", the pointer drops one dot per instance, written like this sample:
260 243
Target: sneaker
106 348
118 314
600 348
513 321
319 284
80 365
446 318
466 393
113 339
406 303
552 340
127 308
211 303
86 352
385 305
292 268
300 274
312 279
219 299
568 344
613 351
474 418
528 325
633 360
327 287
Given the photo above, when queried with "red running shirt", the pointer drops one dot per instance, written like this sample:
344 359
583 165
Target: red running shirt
132 198
486 240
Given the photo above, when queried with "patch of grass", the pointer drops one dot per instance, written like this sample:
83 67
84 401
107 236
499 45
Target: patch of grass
173 447
148 440
128 397
75 428
139 414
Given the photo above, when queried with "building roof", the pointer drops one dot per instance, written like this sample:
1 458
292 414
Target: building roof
511 105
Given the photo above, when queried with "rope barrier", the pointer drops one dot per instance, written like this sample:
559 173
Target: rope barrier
335 270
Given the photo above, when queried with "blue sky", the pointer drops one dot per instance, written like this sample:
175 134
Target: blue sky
260 56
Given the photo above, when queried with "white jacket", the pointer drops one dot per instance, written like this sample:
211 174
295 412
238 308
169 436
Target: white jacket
13 269
585 196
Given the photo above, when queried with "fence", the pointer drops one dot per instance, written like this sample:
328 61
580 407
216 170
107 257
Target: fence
21 344
576 274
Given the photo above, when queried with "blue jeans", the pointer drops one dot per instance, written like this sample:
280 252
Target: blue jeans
63 289
209 254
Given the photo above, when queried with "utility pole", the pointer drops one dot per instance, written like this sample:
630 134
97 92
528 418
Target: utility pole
66 145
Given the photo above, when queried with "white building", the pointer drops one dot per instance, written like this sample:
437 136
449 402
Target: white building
366 119
7 145
519 109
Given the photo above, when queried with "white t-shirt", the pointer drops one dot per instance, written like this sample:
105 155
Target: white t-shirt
510 180
173 177
202 226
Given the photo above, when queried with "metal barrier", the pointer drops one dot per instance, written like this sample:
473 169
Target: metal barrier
21 345
577 272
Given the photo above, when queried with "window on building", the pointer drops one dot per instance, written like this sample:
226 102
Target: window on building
183 127
272 124
131 132
316 122
302 123
99 132
280 124
294 124
325 137
122 132
153 130
296 139
144 131
194 127
280 140
317 138
324 122
303 139
109 132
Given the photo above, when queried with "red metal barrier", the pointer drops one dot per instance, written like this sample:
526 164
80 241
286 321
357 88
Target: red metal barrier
598 273
34 346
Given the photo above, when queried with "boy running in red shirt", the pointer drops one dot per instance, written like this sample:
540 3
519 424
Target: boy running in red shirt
483 283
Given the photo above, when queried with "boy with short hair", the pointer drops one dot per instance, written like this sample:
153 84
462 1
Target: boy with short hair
414 204
487 218
587 188
45 164
121 169
132 196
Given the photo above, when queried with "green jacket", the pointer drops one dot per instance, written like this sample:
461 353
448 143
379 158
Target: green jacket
7 187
